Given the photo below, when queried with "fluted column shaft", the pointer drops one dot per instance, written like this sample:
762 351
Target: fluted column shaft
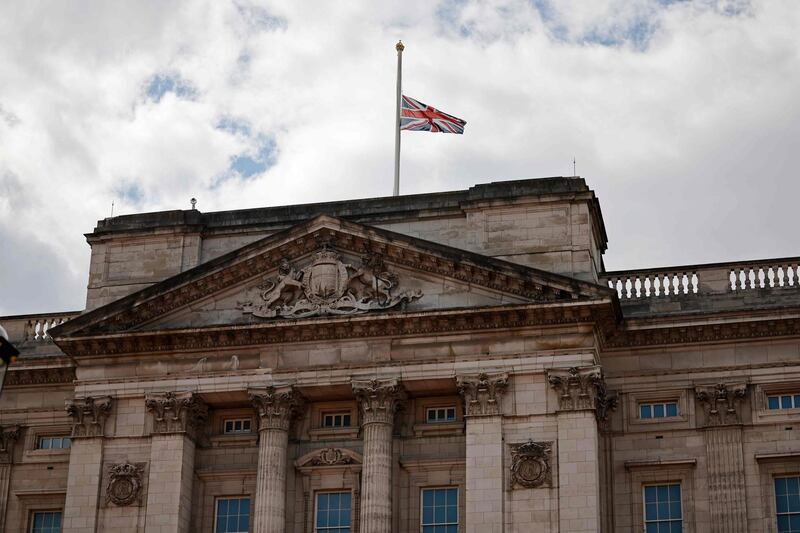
270 508
376 479
378 400
276 408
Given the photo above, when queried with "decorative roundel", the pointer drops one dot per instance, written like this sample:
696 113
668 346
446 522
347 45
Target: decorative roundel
530 464
125 484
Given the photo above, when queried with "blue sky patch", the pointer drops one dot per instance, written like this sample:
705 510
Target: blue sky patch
248 165
259 18
160 84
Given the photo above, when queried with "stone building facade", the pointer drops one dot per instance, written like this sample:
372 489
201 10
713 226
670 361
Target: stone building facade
450 362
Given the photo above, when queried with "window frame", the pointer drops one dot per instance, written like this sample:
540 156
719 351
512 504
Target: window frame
217 499
438 408
667 484
317 494
323 414
794 398
33 512
233 420
777 514
663 404
422 490
60 437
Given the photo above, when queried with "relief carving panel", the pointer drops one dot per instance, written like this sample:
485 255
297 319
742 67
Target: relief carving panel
327 286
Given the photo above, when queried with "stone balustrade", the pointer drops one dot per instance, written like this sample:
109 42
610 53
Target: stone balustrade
34 328
715 278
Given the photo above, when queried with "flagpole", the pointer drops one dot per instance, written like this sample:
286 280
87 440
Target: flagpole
399 47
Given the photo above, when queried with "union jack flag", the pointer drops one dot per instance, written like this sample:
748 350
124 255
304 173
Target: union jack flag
416 116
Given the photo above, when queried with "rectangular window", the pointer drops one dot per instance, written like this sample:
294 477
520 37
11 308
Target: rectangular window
787 504
441 414
662 509
336 420
440 510
783 401
658 410
237 425
46 522
333 512
233 515
52 443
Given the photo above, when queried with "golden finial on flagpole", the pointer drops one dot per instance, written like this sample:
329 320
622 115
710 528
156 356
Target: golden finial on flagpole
399 46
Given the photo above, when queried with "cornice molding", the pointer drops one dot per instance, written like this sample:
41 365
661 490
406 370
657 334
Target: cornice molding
363 326
39 376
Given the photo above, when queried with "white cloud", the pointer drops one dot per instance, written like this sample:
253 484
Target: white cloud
682 115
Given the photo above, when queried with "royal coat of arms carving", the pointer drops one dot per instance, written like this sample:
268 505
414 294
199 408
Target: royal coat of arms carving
328 286
124 483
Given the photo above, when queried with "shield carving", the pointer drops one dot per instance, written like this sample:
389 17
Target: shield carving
325 280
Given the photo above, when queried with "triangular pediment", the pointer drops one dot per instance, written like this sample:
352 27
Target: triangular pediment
328 268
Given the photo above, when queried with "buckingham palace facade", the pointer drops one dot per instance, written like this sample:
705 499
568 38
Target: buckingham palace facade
435 363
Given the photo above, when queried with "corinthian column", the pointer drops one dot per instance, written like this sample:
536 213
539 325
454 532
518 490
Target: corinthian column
378 400
275 407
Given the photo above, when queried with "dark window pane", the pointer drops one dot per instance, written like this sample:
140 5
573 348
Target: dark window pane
452 496
675 493
650 494
658 411
663 511
439 514
773 403
440 497
644 411
783 523
794 522
222 524
786 402
452 514
663 493
674 509
792 485
244 522
427 515
333 501
650 512
347 420
652 528
796 401
672 409
427 498
781 503
233 507
222 507
793 502
780 485
663 527
676 528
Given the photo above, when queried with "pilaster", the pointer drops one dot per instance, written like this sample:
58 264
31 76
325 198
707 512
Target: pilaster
583 402
378 400
275 407
8 437
482 395
88 416
178 419
724 455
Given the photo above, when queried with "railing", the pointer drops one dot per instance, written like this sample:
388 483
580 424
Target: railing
716 278
34 328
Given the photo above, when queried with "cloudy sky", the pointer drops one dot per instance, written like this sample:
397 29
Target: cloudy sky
683 116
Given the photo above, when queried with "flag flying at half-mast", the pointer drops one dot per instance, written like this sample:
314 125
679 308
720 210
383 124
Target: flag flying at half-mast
411 114
416 116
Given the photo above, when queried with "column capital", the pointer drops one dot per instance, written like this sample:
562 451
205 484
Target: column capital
89 415
177 412
721 402
378 399
582 389
276 407
9 435
482 393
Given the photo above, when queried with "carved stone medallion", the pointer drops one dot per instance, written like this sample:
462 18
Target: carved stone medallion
124 483
331 457
327 286
530 464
